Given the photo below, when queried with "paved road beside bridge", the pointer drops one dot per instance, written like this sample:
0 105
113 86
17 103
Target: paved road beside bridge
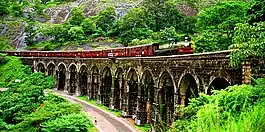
106 122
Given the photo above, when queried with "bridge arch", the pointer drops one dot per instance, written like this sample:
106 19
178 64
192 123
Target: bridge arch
73 64
73 78
94 85
51 69
105 90
166 95
147 96
61 77
219 80
218 83
41 67
188 88
83 80
132 91
118 88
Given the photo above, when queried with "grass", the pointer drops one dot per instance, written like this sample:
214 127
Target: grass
94 103
143 128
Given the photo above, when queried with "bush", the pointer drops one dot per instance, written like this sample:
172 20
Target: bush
237 108
68 123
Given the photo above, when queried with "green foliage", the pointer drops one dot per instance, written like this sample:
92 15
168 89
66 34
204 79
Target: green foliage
10 66
256 13
5 44
249 41
3 7
30 33
58 31
166 35
221 20
133 26
88 26
105 19
68 123
25 107
77 16
211 41
161 14
76 33
232 109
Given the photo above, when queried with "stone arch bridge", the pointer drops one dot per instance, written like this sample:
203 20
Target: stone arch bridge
145 88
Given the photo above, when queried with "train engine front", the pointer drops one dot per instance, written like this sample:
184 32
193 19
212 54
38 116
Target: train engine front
175 48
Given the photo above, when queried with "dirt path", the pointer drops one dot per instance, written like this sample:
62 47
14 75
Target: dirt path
106 122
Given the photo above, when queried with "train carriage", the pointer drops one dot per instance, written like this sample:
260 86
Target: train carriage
135 51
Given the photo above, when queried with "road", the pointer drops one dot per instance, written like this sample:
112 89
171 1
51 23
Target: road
106 122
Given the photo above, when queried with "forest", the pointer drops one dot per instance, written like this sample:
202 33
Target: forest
213 25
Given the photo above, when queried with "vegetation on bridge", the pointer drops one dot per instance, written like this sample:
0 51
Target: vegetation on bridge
25 107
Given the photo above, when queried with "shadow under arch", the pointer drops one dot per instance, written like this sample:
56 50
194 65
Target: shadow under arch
73 79
51 69
118 88
94 86
188 88
61 77
166 98
146 97
41 67
83 80
218 83
105 91
132 94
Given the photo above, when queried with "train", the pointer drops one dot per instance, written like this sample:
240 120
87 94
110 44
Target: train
134 51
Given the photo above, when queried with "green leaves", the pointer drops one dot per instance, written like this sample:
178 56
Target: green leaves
24 107
237 108
256 13
217 25
249 41
68 123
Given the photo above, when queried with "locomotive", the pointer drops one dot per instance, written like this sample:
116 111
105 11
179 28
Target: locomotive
135 51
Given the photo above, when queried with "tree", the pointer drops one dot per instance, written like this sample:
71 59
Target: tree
76 33
133 25
88 26
211 41
30 33
3 7
249 41
256 13
77 16
160 14
222 19
105 19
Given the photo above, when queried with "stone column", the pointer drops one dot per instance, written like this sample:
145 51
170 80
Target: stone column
77 85
34 66
125 102
246 72
141 112
67 82
112 93
89 86
57 78
46 71
99 84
